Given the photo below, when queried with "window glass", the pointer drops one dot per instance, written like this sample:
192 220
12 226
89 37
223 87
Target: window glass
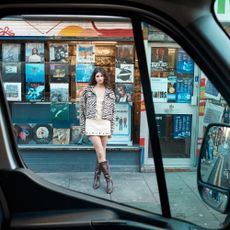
185 102
222 12
46 66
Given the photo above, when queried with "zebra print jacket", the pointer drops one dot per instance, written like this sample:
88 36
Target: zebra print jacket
88 102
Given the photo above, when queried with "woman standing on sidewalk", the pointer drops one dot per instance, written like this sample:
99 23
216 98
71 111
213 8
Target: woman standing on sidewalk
97 120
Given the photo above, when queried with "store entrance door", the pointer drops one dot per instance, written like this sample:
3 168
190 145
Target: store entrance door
175 96
177 133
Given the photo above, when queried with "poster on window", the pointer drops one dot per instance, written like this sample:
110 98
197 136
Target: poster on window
124 73
23 133
11 52
122 131
35 91
184 90
75 135
124 92
35 73
42 133
59 73
159 87
184 64
161 125
79 89
13 91
172 81
59 111
85 53
61 136
182 126
59 53
11 72
124 54
59 92
84 72
211 92
159 59
34 52
212 113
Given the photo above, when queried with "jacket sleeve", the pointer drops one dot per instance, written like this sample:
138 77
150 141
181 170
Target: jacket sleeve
82 112
114 116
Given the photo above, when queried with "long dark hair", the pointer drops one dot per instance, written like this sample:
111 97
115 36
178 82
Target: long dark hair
104 73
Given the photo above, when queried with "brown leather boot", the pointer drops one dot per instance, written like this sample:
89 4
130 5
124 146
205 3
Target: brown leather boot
106 171
96 182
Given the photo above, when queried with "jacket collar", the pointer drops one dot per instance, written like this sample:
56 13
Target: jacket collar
91 87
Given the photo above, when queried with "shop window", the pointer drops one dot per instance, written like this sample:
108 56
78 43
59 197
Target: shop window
43 79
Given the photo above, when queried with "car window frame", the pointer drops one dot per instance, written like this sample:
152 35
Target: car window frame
137 19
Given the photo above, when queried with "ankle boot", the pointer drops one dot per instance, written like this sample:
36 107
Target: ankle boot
96 182
106 171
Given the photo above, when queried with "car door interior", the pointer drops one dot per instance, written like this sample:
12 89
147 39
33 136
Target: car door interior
29 202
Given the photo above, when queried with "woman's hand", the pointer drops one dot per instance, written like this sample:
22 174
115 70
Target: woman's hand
110 136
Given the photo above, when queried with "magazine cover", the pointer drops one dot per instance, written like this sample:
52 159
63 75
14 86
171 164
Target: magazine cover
61 136
124 73
77 113
171 58
59 111
59 92
59 73
11 52
84 72
105 51
75 135
159 87
35 73
13 91
34 52
124 92
79 89
85 53
184 64
105 61
172 80
59 53
182 126
42 133
35 91
184 90
159 59
11 72
124 54
122 120
24 133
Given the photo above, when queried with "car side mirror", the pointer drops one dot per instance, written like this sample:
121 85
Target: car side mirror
214 167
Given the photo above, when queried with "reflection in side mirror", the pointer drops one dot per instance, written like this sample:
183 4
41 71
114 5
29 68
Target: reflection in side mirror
215 199
215 157
214 167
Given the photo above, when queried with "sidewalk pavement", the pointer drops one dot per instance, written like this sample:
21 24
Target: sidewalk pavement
140 190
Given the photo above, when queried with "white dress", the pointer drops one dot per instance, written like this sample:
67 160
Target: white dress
98 126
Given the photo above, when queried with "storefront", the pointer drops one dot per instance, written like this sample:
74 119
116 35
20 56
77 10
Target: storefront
46 65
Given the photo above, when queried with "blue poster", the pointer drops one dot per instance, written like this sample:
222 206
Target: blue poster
35 72
84 72
184 64
184 90
182 126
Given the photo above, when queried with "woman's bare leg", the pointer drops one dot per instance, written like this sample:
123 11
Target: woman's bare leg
99 148
104 140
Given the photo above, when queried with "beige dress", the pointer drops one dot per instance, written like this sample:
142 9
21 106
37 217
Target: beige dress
98 126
